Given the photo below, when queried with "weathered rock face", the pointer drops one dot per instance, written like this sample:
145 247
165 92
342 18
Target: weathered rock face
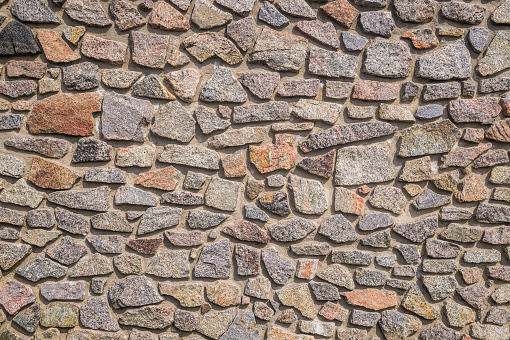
183 169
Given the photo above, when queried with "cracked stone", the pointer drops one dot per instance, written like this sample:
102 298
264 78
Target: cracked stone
29 318
60 314
242 32
16 38
419 230
247 231
209 44
279 51
151 87
496 56
299 297
171 264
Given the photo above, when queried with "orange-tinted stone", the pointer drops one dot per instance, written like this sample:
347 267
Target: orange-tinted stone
342 11
65 114
55 48
372 298
167 18
280 155
164 179
234 165
49 175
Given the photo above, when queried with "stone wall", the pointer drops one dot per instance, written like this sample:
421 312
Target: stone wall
246 169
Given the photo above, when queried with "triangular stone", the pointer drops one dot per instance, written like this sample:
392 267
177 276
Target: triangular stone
12 253
35 11
321 165
151 87
223 87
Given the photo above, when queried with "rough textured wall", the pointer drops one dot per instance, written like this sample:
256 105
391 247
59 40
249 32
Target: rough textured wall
245 169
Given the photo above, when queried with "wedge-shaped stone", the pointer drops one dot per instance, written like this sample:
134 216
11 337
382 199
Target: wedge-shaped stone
16 38
167 18
497 55
247 231
91 199
299 297
349 133
238 137
46 146
133 291
223 87
337 275
419 230
12 253
67 251
41 268
92 265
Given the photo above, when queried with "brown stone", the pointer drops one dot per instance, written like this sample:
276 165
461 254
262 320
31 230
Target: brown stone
55 48
163 179
65 114
342 11
372 298
322 166
22 68
234 165
280 155
49 175
184 83
499 131
247 231
147 246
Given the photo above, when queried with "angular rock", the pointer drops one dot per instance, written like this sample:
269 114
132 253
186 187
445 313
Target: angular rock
388 198
276 203
171 264
119 78
388 59
332 64
81 77
140 156
270 15
175 122
125 15
415 302
204 219
46 146
214 261
371 299
299 297
210 44
55 48
247 231
184 83
60 314
22 194
214 324
375 91
248 263
431 138
95 314
67 251
223 87
133 291
91 199
496 56
14 296
341 11
188 294
148 50
110 51
151 317
167 18
90 13
422 38
323 33
418 231
41 268
92 265
279 51
190 156
378 23
16 38
464 13
40 238
29 318
221 194
151 87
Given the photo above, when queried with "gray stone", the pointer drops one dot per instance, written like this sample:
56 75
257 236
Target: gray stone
255 213
439 287
378 23
490 213
215 324
10 121
497 55
222 194
194 180
20 193
271 111
279 51
128 194
111 221
370 277
441 91
159 218
41 268
431 138
293 230
67 251
203 219
40 238
71 222
105 175
64 290
106 244
365 319
430 199
270 15
141 156
380 239
419 11
133 291
190 156
498 316
430 111
244 326
354 257
169 264
29 318
482 256
248 263
90 13
33 11
332 64
46 146
410 253
11 166
125 117
449 62
354 42
151 87
478 38
358 165
338 229
92 265
175 122
95 314
92 150
388 198
91 199
238 137
280 269
119 78
460 233
442 249
309 196
205 15
223 87
214 261
419 230
388 59
464 13
500 15
81 77
337 275
16 38
209 121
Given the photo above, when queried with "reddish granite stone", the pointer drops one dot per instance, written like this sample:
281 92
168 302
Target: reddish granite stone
372 298
110 51
147 246
167 18
65 114
23 68
14 296
375 90
280 155
55 48
164 179
342 11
